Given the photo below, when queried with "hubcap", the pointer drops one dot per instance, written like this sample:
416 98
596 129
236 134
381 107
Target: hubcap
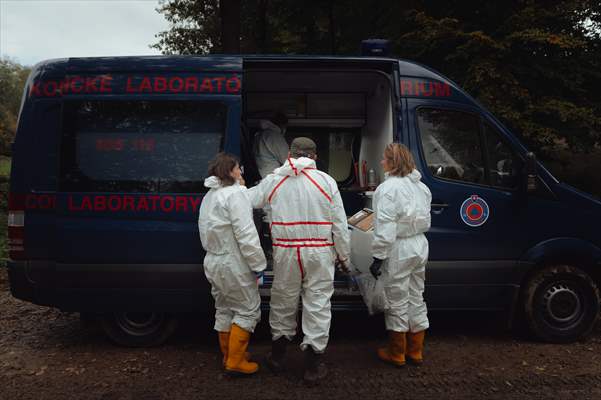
561 303
139 323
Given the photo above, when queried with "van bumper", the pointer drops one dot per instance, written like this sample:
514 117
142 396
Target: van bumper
110 288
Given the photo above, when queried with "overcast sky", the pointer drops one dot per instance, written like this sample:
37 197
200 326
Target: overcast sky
36 30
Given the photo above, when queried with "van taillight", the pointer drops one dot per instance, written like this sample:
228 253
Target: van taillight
16 227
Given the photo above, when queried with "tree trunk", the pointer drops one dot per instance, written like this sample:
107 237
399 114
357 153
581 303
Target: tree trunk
230 26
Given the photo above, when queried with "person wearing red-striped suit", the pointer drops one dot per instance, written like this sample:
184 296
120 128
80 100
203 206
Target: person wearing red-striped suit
309 233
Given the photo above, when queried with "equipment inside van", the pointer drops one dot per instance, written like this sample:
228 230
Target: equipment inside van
111 154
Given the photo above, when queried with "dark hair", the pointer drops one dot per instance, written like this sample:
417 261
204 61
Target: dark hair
221 166
279 118
400 158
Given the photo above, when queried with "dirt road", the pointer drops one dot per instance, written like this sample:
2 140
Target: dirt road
45 354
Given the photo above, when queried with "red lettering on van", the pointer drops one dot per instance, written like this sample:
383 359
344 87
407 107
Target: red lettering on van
128 86
164 206
219 81
154 199
191 84
176 88
207 85
105 84
71 206
195 203
30 202
233 85
142 204
420 89
145 85
86 203
35 89
76 84
181 204
406 88
128 203
99 203
442 89
114 203
50 88
91 85
160 84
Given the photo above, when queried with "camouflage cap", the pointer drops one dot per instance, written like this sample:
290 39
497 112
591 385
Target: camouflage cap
303 147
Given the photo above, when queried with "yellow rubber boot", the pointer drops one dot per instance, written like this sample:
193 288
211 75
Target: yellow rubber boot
224 339
236 362
394 353
415 347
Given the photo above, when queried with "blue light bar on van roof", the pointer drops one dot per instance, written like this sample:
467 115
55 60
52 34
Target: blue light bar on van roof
375 47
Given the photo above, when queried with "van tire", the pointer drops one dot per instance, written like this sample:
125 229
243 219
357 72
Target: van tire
561 304
138 329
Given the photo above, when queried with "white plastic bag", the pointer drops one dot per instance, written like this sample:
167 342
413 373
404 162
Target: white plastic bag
372 291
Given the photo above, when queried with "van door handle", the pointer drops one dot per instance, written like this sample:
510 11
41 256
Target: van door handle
438 208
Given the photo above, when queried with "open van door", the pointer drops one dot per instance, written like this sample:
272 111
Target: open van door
136 139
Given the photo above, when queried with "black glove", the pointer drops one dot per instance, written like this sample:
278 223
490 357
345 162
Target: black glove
375 267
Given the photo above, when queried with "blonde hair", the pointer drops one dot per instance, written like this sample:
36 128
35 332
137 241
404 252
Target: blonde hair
400 159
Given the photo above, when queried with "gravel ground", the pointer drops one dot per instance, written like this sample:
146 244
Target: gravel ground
46 354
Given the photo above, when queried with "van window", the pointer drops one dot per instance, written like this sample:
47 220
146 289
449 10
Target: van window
451 144
502 161
148 146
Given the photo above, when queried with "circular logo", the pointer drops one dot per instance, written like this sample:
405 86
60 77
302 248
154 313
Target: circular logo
474 211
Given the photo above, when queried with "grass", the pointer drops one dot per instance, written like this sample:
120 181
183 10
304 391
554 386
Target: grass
4 176
4 167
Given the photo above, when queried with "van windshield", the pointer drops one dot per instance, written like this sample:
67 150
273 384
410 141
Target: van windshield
161 146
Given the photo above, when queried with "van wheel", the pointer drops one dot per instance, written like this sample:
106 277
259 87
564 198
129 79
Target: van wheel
561 304
138 329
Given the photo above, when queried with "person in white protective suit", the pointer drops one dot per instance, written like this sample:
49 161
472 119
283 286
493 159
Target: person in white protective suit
233 262
400 251
309 233
270 147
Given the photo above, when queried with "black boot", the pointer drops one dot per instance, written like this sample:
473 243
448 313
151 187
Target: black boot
315 368
275 359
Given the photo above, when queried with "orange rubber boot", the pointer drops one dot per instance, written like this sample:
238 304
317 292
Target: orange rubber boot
394 353
415 347
224 339
236 362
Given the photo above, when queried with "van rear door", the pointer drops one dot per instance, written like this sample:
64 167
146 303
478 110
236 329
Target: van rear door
137 135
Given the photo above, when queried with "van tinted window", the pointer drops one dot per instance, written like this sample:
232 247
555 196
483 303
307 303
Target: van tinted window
148 146
451 144
503 164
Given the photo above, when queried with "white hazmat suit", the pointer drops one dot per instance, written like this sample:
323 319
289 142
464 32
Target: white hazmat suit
229 236
308 230
271 149
402 215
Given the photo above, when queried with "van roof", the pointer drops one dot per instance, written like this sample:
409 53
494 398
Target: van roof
212 63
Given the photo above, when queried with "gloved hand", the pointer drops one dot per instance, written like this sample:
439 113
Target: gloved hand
342 265
375 267
259 274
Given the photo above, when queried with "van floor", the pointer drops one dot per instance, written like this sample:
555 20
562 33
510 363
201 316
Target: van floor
45 354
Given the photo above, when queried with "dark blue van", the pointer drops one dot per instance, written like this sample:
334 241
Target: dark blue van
111 153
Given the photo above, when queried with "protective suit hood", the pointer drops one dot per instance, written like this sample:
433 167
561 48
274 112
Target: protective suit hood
415 176
294 166
212 182
265 124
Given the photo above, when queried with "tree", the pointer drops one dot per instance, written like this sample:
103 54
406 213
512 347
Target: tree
12 81
534 64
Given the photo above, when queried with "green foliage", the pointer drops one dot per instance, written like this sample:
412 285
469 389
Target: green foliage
534 64
12 81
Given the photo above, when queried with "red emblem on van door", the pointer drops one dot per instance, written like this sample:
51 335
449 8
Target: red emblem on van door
474 211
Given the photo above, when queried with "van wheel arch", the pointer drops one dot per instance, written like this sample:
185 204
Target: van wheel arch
559 303
138 329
